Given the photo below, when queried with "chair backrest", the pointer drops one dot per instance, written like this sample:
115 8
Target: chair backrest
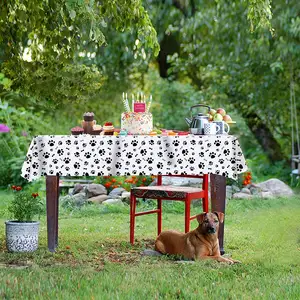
159 177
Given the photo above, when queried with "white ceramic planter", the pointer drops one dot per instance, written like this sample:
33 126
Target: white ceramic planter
22 236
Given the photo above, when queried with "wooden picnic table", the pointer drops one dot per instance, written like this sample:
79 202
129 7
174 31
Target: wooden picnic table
88 155
218 196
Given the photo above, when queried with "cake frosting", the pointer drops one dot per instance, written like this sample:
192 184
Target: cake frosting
137 122
108 127
97 127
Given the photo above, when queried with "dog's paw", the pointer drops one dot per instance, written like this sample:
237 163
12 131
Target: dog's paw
229 261
225 260
236 261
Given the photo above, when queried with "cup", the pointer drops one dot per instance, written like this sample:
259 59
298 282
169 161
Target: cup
211 128
224 127
88 126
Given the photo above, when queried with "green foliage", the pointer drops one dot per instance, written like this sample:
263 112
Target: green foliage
5 173
24 205
263 170
172 102
5 82
250 72
23 124
41 43
259 14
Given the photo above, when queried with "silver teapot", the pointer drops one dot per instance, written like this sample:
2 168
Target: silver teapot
197 122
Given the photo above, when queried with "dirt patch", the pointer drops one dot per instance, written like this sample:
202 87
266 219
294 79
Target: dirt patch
18 265
106 251
121 253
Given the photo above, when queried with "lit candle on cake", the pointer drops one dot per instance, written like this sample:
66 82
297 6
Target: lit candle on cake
149 104
125 102
138 120
132 102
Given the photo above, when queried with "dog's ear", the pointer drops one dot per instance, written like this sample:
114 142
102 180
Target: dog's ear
200 218
220 216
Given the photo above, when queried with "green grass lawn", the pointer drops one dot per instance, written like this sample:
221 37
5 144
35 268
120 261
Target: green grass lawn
94 259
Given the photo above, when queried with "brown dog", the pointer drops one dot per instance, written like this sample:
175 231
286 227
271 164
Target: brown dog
201 243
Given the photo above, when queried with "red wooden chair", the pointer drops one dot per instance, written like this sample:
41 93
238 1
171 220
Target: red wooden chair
163 192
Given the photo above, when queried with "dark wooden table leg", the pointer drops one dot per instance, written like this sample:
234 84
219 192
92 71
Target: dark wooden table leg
56 216
218 197
52 194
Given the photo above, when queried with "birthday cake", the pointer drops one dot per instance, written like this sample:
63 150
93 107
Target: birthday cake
137 122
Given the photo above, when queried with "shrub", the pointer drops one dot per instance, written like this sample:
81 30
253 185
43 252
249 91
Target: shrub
17 126
111 182
25 205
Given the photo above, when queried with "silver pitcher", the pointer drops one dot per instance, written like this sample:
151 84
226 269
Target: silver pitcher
197 122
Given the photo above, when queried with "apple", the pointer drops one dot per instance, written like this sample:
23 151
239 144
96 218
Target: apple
212 112
227 118
218 117
221 111
210 118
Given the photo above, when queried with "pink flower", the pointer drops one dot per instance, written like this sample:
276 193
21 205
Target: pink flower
24 133
4 128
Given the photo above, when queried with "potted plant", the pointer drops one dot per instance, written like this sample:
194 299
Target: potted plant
22 231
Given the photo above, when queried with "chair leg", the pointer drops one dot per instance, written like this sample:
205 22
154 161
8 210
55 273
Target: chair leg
187 215
132 217
159 216
159 179
205 189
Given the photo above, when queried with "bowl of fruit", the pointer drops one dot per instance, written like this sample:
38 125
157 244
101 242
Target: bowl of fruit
220 115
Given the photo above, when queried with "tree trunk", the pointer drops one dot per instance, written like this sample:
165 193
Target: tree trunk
168 46
264 136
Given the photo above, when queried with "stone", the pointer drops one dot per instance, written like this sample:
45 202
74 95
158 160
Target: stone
79 199
125 195
150 252
242 196
116 192
95 189
114 202
229 192
98 199
73 200
235 188
77 188
266 195
245 191
254 190
254 185
277 187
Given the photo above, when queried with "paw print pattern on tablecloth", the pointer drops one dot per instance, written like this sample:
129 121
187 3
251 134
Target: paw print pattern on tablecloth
60 152
191 160
170 155
92 143
120 155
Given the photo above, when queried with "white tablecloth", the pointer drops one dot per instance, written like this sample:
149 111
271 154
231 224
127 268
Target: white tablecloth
88 155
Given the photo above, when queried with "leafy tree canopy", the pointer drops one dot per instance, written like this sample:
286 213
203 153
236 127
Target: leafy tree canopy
48 47
41 41
251 72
